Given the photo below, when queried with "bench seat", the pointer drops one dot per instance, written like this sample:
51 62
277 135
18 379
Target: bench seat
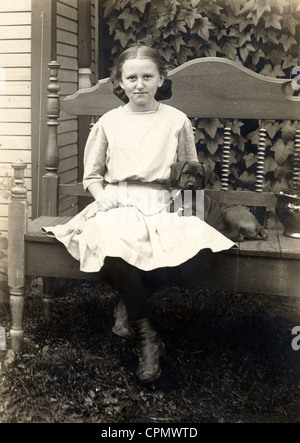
269 266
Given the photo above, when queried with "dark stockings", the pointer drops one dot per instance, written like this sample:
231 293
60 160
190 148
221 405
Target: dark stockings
129 282
136 286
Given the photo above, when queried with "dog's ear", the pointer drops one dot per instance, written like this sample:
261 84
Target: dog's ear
208 176
176 169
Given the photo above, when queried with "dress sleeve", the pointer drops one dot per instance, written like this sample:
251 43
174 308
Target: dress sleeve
94 159
186 150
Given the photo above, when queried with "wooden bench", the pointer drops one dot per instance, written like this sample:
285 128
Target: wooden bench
217 88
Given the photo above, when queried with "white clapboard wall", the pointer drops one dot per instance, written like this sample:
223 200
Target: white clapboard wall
15 102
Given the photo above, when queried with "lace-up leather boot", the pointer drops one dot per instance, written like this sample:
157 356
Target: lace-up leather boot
151 350
122 326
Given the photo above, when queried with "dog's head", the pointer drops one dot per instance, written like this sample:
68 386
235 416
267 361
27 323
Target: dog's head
190 175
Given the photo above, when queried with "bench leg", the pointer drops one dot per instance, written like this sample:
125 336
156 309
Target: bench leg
48 297
17 307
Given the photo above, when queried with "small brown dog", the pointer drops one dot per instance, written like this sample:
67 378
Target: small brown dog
235 222
190 176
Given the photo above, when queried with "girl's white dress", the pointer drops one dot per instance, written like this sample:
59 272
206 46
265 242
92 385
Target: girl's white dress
131 154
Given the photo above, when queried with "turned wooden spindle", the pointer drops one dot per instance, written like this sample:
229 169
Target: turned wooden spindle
84 44
261 149
50 179
84 78
296 163
51 157
225 157
92 122
19 190
18 214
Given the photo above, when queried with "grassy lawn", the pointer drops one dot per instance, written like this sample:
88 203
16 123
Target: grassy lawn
229 359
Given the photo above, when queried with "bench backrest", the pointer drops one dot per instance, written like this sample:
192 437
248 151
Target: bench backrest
202 88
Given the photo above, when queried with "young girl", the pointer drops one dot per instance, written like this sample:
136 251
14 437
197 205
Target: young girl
128 227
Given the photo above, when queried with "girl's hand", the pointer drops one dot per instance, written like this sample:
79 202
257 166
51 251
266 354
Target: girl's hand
106 200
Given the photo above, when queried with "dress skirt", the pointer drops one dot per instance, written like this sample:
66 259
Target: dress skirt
141 231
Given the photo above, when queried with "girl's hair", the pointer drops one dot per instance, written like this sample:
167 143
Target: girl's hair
141 52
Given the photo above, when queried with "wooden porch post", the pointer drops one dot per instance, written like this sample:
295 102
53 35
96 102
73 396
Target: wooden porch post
84 75
51 178
18 214
43 51
84 44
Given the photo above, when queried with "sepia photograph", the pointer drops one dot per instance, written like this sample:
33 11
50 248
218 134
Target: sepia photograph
149 214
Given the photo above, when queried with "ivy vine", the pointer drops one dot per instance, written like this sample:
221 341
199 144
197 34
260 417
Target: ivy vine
258 34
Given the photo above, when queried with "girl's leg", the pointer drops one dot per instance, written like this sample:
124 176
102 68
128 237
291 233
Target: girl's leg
129 281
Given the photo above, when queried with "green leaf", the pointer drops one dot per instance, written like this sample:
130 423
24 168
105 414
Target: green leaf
289 62
109 6
249 5
253 136
281 172
189 16
210 49
241 143
234 32
288 129
221 33
230 50
184 54
210 125
243 24
256 56
279 5
269 71
236 127
273 20
235 172
291 25
244 38
230 19
252 15
167 53
179 26
272 128
278 186
270 164
272 36
244 53
112 23
202 28
140 4
235 6
276 56
178 42
277 72
282 151
247 179
129 17
261 7
199 135
212 146
249 160
287 41
123 37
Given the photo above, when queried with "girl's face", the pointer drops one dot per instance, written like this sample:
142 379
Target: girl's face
140 80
